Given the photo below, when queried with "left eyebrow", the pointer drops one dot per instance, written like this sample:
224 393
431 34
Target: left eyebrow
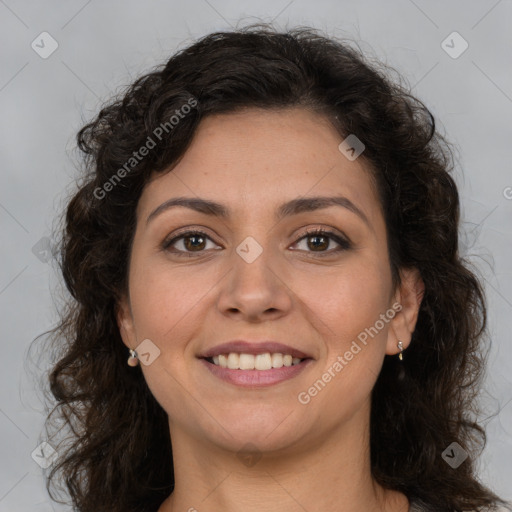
309 204
293 207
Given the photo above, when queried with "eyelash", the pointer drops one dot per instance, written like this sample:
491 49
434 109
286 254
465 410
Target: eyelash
343 243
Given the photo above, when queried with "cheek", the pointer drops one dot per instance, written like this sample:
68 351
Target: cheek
164 297
168 308
347 299
350 307
345 306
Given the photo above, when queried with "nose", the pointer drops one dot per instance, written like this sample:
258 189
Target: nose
257 291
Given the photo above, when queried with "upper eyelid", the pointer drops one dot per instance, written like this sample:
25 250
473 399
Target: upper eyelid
201 230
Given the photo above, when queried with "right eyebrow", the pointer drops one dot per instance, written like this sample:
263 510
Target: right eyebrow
199 205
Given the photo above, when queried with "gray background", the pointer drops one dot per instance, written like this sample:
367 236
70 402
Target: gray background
105 45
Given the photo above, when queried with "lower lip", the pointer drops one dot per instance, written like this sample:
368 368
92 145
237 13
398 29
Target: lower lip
256 378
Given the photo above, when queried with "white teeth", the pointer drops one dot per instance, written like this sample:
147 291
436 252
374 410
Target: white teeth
266 361
246 362
263 362
233 361
277 360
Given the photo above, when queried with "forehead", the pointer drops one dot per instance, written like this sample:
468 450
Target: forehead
257 158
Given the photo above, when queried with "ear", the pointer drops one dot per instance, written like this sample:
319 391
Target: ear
409 295
125 322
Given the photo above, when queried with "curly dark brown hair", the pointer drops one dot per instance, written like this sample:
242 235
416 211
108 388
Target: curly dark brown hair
118 451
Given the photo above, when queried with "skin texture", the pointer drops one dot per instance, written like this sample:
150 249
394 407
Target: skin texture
305 457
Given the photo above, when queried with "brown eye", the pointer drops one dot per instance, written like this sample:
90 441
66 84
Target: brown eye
194 242
319 241
188 242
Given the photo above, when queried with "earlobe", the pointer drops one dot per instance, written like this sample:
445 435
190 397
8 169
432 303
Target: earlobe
409 295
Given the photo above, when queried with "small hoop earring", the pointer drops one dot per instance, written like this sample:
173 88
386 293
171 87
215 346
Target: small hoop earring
132 360
401 348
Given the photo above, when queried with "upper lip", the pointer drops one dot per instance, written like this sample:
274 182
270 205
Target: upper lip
246 347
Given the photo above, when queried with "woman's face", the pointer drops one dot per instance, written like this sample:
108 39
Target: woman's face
254 274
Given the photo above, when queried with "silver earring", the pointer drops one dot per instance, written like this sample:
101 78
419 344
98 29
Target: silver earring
401 348
132 360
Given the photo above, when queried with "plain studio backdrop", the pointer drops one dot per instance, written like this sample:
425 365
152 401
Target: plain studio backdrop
61 60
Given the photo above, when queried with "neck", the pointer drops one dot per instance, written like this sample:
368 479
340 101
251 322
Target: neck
331 474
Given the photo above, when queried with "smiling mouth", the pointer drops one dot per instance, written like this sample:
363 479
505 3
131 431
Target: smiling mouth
262 362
